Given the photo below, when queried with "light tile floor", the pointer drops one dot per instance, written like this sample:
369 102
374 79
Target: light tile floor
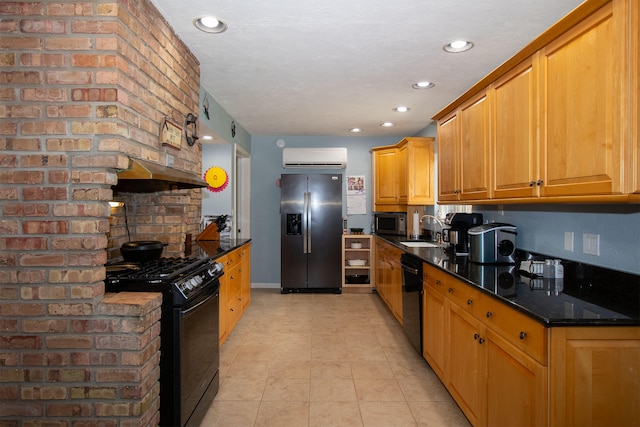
325 360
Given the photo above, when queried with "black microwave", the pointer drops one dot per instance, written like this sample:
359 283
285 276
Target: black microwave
391 223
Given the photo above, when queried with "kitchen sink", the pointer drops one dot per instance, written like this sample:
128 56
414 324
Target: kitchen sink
420 244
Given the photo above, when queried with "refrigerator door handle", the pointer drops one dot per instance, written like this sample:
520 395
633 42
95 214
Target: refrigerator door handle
305 223
307 209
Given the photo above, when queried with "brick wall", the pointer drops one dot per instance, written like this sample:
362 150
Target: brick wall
82 87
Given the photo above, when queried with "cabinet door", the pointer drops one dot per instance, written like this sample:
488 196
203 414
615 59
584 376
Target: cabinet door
466 374
234 299
420 174
595 376
584 84
474 149
395 285
634 161
448 139
386 176
433 330
224 306
516 386
245 276
515 136
402 160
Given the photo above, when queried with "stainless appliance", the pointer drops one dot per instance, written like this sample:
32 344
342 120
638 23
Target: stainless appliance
311 232
391 223
189 358
493 243
412 299
455 233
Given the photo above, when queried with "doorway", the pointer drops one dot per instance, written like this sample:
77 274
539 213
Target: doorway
242 193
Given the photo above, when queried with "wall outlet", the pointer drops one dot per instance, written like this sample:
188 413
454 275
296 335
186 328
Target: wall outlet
568 241
591 244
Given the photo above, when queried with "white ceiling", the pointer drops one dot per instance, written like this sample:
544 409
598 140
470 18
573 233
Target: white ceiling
302 67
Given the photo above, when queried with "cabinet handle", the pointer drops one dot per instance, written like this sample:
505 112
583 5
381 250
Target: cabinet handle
438 282
476 336
489 314
469 301
481 341
540 182
532 183
523 335
450 290
231 309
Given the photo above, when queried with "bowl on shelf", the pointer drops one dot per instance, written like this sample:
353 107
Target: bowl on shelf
357 262
356 245
357 278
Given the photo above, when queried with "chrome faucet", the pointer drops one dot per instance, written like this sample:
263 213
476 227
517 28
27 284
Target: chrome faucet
436 236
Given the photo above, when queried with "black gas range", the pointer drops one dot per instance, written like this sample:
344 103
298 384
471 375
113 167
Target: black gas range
189 322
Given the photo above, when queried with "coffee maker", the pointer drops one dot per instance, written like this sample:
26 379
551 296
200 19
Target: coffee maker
458 224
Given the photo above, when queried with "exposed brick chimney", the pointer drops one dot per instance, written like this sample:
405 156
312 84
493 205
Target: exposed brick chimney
83 86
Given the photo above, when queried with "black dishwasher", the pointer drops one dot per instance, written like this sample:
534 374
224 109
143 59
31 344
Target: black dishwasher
412 299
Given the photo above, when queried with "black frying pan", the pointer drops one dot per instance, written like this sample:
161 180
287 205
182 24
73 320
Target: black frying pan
142 250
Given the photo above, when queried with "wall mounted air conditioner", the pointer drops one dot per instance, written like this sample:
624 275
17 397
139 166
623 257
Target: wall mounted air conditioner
318 158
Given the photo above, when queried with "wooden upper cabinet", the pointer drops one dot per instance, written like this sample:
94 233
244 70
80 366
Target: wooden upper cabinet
474 149
448 141
635 94
420 171
463 152
386 176
403 174
583 83
402 157
558 122
514 138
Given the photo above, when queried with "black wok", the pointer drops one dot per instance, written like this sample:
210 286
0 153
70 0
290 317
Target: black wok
142 250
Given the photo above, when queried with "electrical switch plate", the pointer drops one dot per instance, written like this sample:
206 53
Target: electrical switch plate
568 241
591 244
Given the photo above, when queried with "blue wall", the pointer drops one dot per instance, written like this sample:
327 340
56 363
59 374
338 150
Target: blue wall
266 168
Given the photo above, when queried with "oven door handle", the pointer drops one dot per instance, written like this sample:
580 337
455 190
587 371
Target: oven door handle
204 301
409 269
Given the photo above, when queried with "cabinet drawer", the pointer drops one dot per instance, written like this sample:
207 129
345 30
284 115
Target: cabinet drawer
463 295
230 259
435 279
518 329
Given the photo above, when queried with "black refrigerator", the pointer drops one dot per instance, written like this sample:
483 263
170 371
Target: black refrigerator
311 230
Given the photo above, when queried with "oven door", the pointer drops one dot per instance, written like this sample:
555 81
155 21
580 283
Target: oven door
199 358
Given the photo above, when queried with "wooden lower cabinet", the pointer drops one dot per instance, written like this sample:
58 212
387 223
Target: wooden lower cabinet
505 369
388 276
494 382
595 379
235 288
516 386
467 377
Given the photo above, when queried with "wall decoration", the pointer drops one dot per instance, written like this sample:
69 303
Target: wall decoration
217 178
233 129
205 107
170 134
356 195
191 120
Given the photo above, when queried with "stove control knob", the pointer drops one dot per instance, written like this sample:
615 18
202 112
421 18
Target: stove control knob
187 285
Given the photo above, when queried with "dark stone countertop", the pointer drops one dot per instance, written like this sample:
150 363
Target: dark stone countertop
217 248
587 296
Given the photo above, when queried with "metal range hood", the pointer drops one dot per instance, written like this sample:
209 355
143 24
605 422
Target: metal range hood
147 177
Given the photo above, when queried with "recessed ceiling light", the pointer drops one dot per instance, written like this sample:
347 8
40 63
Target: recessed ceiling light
210 24
458 46
387 124
355 130
401 109
207 137
423 85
